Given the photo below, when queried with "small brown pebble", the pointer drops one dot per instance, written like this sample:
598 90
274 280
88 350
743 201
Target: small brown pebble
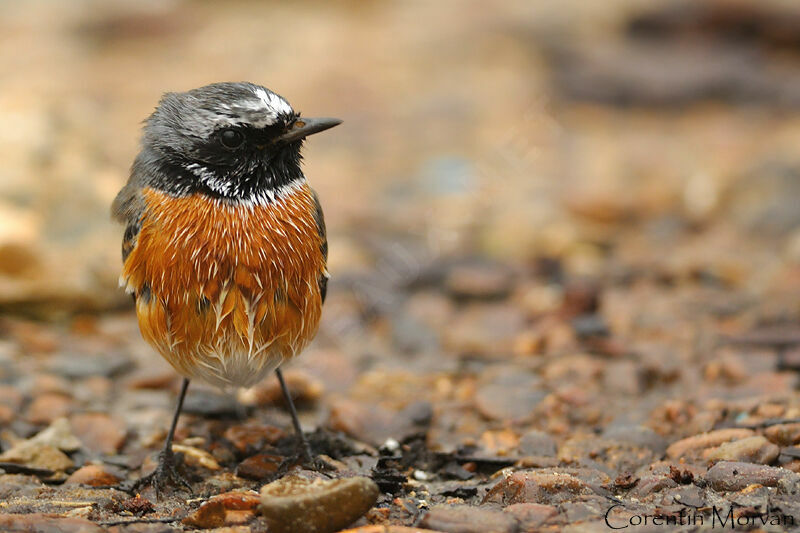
47 407
238 501
92 475
246 437
99 432
466 519
755 449
293 504
305 389
210 515
784 434
258 467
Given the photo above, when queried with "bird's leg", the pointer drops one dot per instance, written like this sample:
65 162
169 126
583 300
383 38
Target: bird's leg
166 472
302 443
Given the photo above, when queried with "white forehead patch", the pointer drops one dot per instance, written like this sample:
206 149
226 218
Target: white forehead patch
273 101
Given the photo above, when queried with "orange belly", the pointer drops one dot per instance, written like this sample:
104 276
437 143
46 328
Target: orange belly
226 292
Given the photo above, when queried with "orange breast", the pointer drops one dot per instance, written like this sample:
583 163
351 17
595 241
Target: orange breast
227 292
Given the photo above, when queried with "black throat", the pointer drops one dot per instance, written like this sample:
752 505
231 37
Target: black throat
256 175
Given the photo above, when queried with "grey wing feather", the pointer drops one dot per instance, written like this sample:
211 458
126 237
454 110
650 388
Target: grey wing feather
319 218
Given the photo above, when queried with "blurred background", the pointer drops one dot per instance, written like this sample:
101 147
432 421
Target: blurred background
537 211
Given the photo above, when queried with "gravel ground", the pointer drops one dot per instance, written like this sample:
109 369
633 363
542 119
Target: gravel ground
566 283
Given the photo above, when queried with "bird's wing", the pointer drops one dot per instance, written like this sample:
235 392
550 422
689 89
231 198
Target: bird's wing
319 218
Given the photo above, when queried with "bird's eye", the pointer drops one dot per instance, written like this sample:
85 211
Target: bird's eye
231 139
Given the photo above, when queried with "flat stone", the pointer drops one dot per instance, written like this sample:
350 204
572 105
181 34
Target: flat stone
293 504
755 449
466 519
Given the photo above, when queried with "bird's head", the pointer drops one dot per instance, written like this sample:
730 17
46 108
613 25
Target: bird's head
233 141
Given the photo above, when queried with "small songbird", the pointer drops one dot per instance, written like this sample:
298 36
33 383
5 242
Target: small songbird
225 246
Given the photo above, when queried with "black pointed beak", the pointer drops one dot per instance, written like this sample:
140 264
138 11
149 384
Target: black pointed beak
303 127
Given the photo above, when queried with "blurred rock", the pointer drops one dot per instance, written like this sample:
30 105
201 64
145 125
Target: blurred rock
93 476
478 281
695 445
754 449
99 432
530 516
537 443
510 395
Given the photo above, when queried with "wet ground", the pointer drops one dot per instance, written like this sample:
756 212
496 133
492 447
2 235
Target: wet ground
565 257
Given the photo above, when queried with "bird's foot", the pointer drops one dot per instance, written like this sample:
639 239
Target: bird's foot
165 475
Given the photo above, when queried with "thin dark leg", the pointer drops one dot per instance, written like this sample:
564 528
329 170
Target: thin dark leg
302 441
171 434
166 472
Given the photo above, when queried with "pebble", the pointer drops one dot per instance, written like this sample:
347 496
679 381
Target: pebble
99 432
49 406
58 434
375 424
536 487
93 476
305 389
732 476
537 443
293 504
755 449
694 445
207 516
259 467
531 515
466 519
38 455
478 281
511 395
73 365
484 329
784 434
250 437
196 456
211 403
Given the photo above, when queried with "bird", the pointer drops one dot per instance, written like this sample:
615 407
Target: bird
225 247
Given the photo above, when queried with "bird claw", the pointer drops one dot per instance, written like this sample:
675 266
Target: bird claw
165 475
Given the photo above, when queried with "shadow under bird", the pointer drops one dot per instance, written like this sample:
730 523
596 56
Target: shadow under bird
225 247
